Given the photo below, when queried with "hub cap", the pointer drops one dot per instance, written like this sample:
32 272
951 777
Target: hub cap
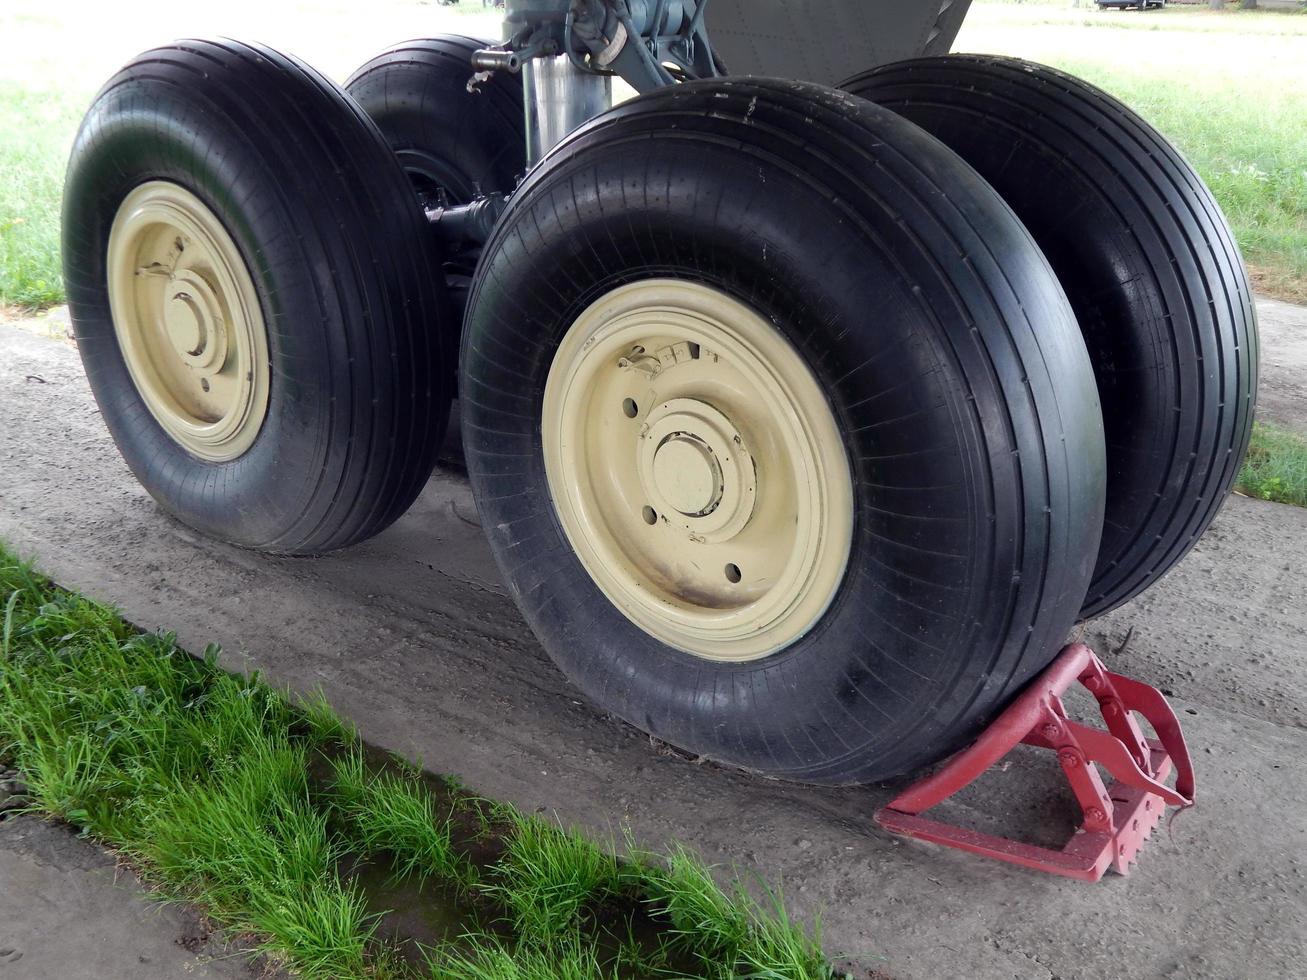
188 321
697 469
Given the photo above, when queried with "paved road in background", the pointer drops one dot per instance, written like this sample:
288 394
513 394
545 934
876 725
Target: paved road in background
413 637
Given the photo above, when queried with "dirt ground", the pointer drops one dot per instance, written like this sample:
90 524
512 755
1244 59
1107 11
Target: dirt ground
413 637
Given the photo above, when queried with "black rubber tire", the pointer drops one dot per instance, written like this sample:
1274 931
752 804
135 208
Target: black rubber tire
417 93
447 137
340 258
1151 268
912 293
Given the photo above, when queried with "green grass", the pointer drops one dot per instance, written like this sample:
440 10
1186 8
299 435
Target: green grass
567 958
36 130
1276 466
549 878
731 935
393 813
223 792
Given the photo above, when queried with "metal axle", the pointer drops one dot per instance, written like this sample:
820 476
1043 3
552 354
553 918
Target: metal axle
467 226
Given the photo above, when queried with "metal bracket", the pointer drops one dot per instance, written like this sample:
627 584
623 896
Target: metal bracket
1118 818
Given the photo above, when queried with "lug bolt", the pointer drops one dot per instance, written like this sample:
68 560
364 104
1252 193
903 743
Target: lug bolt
1069 758
1050 730
1095 814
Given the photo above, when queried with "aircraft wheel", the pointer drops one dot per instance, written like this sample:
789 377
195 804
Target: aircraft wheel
1153 273
781 429
249 285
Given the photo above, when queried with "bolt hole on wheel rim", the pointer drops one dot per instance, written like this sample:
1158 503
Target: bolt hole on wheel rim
725 457
188 321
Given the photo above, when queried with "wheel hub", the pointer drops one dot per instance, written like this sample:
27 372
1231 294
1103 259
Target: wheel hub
687 475
697 470
188 321
194 323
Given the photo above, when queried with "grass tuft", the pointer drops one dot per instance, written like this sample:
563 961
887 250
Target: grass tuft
325 726
393 813
731 935
549 878
261 857
189 771
1276 466
568 957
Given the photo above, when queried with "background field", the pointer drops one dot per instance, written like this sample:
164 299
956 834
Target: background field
1229 88
56 56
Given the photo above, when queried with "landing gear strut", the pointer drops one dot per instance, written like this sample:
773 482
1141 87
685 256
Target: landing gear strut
804 423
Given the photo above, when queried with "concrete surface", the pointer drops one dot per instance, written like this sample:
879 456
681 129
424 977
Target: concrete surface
69 910
1282 397
412 636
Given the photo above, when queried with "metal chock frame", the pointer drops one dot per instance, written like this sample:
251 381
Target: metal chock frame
1118 818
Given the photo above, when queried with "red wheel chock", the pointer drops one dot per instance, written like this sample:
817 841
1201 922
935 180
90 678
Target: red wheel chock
1117 818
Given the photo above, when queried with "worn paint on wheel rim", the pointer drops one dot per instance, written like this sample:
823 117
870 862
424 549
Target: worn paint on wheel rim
697 469
188 321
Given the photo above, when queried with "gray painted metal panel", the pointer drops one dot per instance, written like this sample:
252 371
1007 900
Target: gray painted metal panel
829 40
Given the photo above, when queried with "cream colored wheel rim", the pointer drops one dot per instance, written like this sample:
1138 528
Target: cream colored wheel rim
697 470
188 321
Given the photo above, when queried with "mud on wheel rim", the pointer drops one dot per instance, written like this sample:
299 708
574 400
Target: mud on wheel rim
697 469
188 321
